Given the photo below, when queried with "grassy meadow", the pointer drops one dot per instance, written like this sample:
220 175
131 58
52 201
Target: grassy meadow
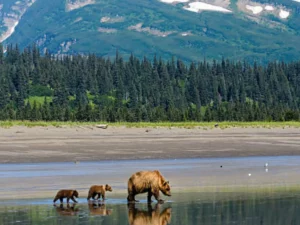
186 125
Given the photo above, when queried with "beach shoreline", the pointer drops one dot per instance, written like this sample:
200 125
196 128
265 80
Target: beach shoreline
36 162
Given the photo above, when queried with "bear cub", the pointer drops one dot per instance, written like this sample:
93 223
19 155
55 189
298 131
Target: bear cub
98 190
69 194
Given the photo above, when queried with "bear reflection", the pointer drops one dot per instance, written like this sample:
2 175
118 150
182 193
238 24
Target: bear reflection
150 216
99 209
69 210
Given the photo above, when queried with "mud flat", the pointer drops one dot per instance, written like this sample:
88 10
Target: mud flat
70 144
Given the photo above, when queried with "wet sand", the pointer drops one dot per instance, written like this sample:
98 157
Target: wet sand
36 162
42 180
51 144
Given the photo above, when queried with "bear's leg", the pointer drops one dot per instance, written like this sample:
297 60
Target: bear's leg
94 195
68 200
103 196
156 195
89 196
55 199
99 196
149 196
61 200
150 209
73 199
131 197
134 199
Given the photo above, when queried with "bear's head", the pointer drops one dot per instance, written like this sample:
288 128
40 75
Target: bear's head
75 193
165 188
108 188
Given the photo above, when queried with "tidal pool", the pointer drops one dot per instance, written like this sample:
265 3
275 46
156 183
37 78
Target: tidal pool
269 208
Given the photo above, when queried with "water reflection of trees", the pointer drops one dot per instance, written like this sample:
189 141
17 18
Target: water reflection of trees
249 209
252 210
151 216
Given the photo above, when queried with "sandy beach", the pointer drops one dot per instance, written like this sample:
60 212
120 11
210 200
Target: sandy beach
36 162
69 144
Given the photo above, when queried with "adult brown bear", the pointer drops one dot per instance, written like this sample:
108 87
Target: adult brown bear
69 194
99 209
98 190
148 217
147 181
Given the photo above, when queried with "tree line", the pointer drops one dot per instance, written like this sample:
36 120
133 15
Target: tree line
92 88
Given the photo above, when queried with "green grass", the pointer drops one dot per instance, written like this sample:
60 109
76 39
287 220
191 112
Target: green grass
211 125
186 125
39 100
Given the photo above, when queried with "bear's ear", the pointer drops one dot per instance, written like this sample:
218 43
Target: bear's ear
166 182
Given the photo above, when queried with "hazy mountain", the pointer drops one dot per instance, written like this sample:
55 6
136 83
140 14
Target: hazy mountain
239 29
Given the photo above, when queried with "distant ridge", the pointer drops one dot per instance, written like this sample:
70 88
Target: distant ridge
190 30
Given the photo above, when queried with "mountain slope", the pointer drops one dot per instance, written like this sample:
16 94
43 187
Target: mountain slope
239 29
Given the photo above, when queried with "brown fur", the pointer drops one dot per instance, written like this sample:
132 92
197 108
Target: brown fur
69 194
98 190
149 217
99 209
67 211
148 181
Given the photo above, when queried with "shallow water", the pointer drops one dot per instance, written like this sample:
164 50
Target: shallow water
189 208
42 180
27 190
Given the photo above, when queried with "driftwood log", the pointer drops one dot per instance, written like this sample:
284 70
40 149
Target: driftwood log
102 126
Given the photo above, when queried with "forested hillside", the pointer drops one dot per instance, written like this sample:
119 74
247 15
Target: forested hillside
91 88
254 30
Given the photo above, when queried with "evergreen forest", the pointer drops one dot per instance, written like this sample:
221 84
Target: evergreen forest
91 88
